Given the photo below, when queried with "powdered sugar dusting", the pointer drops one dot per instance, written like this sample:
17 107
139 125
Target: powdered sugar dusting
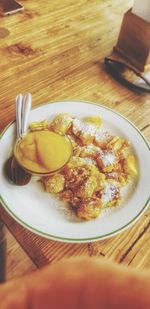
101 136
112 175
77 125
107 158
90 149
88 129
109 192
89 161
81 127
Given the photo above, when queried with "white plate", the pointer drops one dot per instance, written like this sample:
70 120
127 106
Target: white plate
45 215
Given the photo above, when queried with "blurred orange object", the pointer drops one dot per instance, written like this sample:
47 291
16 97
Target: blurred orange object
87 283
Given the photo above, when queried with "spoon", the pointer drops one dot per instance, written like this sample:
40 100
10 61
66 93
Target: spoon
14 171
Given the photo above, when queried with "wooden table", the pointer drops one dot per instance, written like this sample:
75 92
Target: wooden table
55 50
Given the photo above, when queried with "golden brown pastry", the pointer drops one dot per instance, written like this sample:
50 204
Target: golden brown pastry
86 283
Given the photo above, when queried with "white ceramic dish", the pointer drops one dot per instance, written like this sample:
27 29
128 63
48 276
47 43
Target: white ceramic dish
45 215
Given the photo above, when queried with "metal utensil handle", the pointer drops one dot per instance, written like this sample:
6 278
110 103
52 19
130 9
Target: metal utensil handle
27 102
19 99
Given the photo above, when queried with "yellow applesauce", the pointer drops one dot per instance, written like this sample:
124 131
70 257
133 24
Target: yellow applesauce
43 151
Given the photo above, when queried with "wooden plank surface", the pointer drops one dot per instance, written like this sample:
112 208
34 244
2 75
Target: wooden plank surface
131 247
55 50
18 262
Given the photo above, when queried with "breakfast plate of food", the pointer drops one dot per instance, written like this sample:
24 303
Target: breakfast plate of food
90 172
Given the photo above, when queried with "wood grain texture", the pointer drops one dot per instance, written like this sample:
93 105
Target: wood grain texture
18 262
55 50
130 247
